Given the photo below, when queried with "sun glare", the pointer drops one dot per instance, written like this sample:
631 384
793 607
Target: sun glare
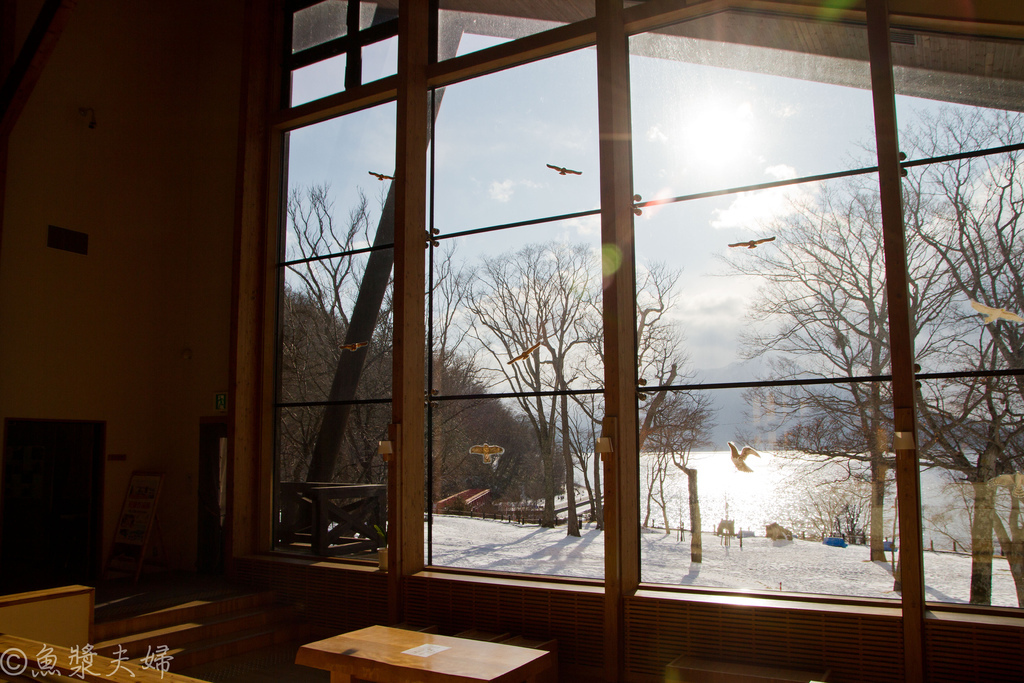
715 134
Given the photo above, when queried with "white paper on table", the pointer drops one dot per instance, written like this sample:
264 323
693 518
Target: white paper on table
425 650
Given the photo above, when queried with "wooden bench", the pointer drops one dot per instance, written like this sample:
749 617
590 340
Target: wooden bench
694 670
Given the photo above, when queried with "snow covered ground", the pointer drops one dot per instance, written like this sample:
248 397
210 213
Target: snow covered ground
761 565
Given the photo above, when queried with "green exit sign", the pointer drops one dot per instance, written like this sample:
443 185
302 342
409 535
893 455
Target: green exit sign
220 401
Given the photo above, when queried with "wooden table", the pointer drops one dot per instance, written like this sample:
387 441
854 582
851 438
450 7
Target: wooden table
379 653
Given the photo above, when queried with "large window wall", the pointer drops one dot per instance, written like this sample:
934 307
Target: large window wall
761 316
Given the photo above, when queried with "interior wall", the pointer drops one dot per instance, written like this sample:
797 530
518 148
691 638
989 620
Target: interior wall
136 333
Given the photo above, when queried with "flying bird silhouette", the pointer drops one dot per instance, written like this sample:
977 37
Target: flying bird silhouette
1014 482
353 346
562 170
381 176
739 457
752 244
524 354
993 314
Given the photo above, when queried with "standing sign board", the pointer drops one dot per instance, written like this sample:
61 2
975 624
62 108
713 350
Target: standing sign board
135 525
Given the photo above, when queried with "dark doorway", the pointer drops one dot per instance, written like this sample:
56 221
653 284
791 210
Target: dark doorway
213 462
52 503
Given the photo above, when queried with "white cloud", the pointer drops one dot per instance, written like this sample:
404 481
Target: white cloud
781 172
654 134
751 209
587 225
501 191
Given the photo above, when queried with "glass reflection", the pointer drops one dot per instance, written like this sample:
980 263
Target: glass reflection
518 310
336 329
498 486
465 28
331 491
319 23
710 115
970 433
947 85
809 508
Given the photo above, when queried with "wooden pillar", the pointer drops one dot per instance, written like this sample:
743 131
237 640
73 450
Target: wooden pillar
901 342
252 272
621 485
406 468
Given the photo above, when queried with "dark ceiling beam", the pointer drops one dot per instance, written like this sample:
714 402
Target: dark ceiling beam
28 66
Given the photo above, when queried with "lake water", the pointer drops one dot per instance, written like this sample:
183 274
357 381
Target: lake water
785 489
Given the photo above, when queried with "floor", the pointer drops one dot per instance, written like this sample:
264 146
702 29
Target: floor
269 665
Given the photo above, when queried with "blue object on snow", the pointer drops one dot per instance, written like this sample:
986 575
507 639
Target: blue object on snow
835 542
887 546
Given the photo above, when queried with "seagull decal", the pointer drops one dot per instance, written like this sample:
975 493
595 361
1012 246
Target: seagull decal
381 176
752 244
487 450
353 346
993 314
739 457
524 354
562 170
1014 482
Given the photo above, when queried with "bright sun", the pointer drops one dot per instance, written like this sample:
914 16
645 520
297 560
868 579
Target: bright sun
716 133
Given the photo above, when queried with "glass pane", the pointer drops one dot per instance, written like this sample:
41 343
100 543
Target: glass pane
321 79
764 106
808 303
498 482
465 27
317 24
334 505
498 137
373 13
971 445
966 252
336 327
805 512
953 92
380 60
336 201
518 310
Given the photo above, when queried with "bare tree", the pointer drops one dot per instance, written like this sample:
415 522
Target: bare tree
972 425
532 304
822 312
671 423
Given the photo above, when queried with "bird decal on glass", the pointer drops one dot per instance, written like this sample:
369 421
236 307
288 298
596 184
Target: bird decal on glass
353 346
562 170
381 176
752 244
1014 482
739 457
525 354
486 450
993 314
